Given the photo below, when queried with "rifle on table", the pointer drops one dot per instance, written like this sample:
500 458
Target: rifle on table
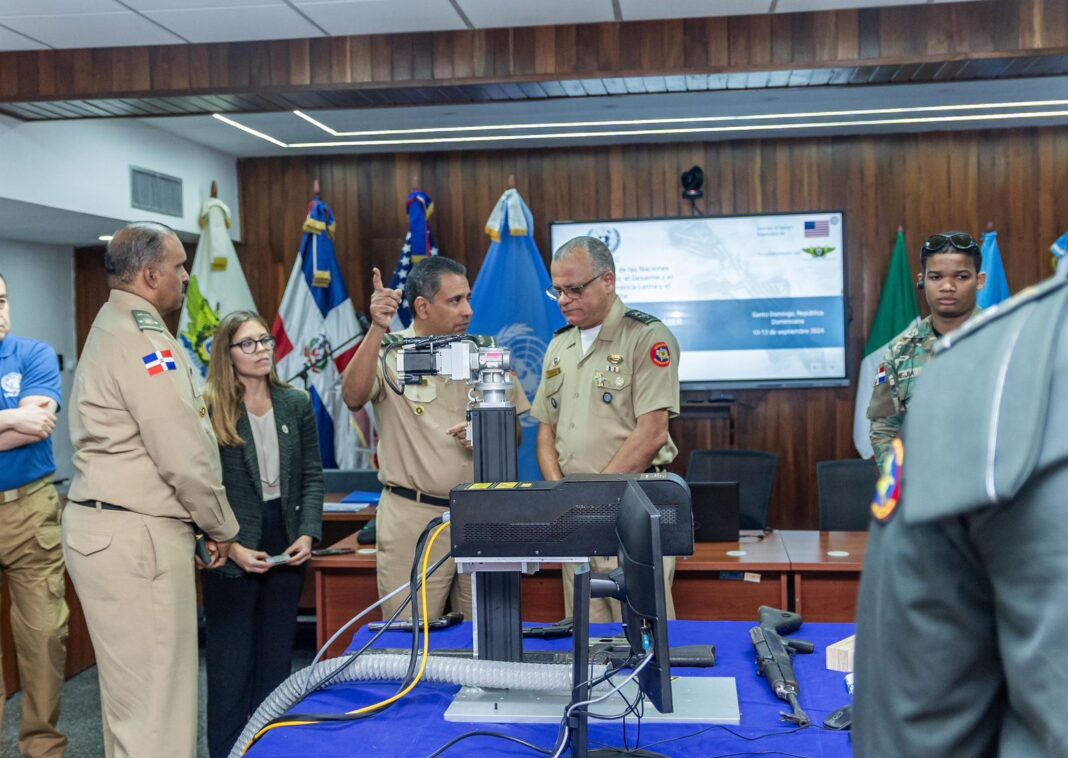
773 657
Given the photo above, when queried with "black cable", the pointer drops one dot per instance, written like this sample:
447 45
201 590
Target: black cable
496 735
386 374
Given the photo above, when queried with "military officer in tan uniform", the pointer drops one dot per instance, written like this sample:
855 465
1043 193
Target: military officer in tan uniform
950 281
146 472
423 450
610 383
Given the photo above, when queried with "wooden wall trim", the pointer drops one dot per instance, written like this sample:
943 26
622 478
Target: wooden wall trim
913 33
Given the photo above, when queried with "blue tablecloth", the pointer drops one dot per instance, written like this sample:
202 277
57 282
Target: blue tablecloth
415 726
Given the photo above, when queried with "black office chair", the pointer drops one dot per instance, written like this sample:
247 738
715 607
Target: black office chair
754 470
350 480
846 489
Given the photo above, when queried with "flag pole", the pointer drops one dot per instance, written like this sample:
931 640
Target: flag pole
214 189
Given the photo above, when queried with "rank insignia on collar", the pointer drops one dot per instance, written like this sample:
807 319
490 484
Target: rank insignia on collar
888 488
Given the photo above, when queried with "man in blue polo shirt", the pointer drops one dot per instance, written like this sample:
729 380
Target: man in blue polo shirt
31 559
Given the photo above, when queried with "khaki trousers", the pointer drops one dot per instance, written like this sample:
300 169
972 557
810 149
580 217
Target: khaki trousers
134 577
604 610
31 562
398 524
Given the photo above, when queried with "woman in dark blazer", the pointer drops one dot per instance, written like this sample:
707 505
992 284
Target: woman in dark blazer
273 476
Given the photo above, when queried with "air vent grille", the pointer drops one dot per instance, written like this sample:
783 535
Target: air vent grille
153 191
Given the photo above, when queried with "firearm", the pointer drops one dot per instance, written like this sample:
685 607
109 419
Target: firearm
773 657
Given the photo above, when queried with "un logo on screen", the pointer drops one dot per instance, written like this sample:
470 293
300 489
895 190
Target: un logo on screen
609 235
528 352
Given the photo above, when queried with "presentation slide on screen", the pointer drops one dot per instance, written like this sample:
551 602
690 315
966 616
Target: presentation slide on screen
751 299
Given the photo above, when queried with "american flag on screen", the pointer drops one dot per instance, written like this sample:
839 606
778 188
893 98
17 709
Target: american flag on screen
817 228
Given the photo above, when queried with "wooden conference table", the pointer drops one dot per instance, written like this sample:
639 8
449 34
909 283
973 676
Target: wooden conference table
814 573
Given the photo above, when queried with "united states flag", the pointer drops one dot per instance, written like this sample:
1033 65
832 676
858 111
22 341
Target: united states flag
817 228
418 244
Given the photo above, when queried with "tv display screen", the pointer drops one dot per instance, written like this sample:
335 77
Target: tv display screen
754 301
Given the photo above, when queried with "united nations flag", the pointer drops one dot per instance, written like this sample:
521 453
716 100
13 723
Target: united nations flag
509 304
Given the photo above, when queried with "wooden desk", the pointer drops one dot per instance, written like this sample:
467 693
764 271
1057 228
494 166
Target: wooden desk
825 585
336 526
728 581
710 585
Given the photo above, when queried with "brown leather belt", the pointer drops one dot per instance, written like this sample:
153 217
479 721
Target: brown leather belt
419 497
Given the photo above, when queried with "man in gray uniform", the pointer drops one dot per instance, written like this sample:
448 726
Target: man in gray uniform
964 600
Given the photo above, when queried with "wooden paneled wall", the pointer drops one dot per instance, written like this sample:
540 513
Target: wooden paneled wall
928 182
826 38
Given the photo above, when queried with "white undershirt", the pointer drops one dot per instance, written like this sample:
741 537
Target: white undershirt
589 336
265 437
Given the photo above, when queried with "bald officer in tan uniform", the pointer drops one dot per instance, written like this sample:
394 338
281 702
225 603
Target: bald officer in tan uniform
610 383
146 470
423 449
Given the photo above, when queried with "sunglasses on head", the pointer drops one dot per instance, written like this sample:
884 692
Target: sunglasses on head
960 240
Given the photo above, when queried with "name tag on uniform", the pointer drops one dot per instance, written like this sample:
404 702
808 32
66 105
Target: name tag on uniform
552 372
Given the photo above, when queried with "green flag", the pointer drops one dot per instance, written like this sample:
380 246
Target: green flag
896 312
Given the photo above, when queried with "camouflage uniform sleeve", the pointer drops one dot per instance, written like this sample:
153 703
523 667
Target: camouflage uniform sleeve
883 410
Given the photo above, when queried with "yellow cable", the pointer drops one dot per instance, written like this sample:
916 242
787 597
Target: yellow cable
406 690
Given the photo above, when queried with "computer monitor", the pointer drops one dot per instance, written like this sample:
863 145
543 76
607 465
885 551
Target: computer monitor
642 593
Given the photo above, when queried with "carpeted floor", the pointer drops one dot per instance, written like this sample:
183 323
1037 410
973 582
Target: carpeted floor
80 710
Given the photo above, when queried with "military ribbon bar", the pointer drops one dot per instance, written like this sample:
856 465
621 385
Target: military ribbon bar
159 361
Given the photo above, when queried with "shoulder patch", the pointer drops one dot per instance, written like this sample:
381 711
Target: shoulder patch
146 322
888 486
989 315
393 338
562 329
642 316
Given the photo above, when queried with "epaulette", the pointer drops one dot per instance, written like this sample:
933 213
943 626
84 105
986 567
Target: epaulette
989 315
645 318
562 329
393 338
146 322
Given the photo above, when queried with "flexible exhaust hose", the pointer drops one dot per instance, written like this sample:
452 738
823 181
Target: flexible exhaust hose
468 672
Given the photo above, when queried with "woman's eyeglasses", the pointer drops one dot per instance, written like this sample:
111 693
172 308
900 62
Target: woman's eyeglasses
249 346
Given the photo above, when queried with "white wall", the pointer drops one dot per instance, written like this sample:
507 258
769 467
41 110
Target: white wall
40 284
84 166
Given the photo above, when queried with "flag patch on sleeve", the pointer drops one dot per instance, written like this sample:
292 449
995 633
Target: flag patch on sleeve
159 361
880 378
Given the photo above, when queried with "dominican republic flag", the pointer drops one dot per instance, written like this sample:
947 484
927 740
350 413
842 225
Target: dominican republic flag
315 318
159 361
418 244
818 228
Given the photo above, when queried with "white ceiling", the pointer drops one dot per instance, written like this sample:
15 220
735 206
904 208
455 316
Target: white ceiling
729 107
41 24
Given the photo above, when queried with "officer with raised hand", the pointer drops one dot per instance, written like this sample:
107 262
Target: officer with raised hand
423 450
610 384
950 280
963 602
147 470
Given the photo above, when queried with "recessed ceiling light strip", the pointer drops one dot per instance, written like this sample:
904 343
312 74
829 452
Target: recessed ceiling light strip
649 132
679 120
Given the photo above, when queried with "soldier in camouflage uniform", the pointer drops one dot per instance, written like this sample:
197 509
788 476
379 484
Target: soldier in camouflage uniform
950 281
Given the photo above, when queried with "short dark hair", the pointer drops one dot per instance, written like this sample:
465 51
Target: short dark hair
940 243
134 247
424 280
